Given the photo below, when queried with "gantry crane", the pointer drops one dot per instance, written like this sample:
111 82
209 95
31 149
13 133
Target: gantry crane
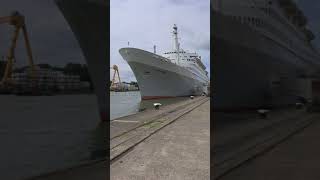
18 21
116 72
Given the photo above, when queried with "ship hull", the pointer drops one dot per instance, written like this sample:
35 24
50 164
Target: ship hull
87 20
252 71
158 78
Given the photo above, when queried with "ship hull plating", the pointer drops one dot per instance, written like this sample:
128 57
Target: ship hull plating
252 71
87 20
158 78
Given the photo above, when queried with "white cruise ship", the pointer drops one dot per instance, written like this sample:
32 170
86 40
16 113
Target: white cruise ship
176 73
87 20
262 54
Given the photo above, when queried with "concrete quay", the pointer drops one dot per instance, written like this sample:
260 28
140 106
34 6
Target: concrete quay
184 140
126 132
124 124
297 158
238 146
180 150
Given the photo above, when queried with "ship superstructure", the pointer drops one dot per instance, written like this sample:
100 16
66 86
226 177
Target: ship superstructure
188 60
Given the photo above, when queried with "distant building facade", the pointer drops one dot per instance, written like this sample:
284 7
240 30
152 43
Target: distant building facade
124 86
49 79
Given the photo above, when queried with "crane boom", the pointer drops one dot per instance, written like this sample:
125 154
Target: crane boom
18 21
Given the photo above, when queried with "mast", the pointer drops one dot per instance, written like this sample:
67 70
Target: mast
176 47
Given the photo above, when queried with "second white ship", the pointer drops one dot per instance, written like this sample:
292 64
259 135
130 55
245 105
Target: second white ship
177 73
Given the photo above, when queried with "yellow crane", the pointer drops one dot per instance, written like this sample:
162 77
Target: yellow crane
18 21
113 82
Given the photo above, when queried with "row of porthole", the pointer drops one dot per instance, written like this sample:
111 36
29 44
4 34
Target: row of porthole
251 20
174 52
266 10
195 73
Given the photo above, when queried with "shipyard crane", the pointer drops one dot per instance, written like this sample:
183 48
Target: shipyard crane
116 72
17 20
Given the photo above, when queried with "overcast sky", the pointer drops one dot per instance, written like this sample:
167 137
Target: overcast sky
142 22
145 23
51 39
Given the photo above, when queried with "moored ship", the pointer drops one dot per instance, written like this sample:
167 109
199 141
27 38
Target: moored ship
262 54
174 74
87 19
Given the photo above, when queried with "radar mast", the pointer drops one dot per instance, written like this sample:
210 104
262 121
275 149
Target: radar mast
176 42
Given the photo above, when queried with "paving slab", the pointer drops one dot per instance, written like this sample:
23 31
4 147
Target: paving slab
127 140
180 150
297 158
124 124
239 142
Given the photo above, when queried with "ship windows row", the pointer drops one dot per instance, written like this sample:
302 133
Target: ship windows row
249 20
174 52
266 10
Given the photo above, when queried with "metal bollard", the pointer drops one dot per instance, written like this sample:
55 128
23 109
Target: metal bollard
263 113
156 105
299 105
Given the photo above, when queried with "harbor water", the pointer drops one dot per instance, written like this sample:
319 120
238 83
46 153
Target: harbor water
126 103
41 134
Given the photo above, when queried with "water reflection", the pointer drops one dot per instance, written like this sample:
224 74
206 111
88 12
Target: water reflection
41 134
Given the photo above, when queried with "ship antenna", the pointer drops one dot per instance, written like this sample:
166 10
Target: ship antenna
176 42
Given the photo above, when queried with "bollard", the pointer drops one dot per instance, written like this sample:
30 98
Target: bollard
299 105
263 113
156 105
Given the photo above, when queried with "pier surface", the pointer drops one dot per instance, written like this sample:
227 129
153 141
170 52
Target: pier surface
296 158
282 146
170 143
179 151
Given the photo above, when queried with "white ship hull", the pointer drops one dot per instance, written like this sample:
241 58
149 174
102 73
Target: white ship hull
251 70
159 78
87 20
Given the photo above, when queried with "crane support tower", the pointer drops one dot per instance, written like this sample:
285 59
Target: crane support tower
18 21
113 85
